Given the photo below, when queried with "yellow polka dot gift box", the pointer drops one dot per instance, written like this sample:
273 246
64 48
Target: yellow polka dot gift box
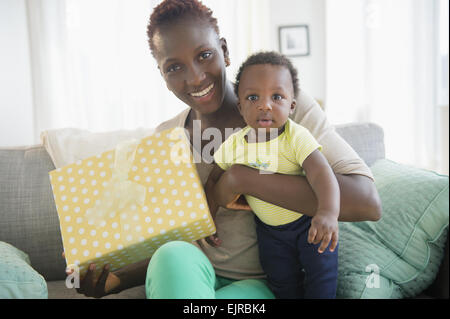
118 207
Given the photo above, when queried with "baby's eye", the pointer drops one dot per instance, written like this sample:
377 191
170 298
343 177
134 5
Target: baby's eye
205 55
277 97
173 68
252 97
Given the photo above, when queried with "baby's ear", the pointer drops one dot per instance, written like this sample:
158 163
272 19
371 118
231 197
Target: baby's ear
293 105
239 107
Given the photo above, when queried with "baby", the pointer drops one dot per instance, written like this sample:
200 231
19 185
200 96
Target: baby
292 247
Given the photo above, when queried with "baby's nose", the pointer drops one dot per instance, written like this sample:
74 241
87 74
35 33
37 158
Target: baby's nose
265 105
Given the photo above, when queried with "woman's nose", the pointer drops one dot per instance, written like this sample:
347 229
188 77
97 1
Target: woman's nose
196 76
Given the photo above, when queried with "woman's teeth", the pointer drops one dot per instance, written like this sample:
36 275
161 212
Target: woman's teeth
204 92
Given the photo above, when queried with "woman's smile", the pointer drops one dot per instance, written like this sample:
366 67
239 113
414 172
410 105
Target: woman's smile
204 95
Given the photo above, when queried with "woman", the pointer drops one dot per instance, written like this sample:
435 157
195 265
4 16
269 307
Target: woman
192 58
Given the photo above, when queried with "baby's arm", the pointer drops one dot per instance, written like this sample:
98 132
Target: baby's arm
324 225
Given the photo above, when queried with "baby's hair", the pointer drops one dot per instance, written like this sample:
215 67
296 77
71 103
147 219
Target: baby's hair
273 58
169 11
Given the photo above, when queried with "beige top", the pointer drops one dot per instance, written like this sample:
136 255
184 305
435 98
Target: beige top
237 257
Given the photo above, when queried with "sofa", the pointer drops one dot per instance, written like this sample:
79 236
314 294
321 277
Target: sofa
29 221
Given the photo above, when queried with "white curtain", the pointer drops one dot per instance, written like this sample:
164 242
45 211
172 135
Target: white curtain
92 68
381 67
245 25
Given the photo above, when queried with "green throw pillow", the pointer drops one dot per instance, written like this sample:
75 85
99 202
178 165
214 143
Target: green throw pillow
399 255
17 278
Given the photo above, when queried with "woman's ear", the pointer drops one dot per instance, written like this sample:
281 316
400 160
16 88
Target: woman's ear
293 105
162 74
226 54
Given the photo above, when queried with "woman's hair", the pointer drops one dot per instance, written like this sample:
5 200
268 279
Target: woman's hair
273 58
169 11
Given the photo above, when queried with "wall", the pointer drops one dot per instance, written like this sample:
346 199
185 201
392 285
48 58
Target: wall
311 12
15 76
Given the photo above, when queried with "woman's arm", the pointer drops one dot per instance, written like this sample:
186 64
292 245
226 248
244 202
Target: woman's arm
111 282
359 200
130 276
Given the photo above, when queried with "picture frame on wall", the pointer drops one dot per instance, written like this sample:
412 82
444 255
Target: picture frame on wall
294 40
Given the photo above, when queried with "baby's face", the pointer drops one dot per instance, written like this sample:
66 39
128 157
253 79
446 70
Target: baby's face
266 96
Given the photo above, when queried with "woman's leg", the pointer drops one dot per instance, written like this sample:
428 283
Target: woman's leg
242 289
179 270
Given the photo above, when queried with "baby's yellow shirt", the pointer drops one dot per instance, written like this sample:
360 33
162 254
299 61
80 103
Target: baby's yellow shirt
284 154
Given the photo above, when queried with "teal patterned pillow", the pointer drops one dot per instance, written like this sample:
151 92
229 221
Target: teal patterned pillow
18 279
399 255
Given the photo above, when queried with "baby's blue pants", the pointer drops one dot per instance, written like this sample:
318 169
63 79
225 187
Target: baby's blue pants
284 251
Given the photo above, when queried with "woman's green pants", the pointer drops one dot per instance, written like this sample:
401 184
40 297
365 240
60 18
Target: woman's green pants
179 270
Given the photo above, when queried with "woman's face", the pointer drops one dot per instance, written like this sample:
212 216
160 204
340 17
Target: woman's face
191 58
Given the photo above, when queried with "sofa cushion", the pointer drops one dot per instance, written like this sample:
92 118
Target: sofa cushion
400 253
28 218
58 290
18 279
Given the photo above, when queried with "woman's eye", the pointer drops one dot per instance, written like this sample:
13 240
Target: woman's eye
277 97
205 55
252 97
173 68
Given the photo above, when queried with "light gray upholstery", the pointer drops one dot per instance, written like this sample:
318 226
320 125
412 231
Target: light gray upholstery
28 218
57 290
367 139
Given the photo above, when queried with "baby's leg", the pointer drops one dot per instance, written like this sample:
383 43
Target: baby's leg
279 259
320 269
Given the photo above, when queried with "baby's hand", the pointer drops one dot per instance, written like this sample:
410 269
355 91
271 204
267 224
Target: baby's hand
324 228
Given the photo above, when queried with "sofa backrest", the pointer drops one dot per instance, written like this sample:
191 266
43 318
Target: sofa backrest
367 139
28 217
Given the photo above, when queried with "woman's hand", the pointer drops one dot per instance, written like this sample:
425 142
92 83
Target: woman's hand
214 240
99 287
226 193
